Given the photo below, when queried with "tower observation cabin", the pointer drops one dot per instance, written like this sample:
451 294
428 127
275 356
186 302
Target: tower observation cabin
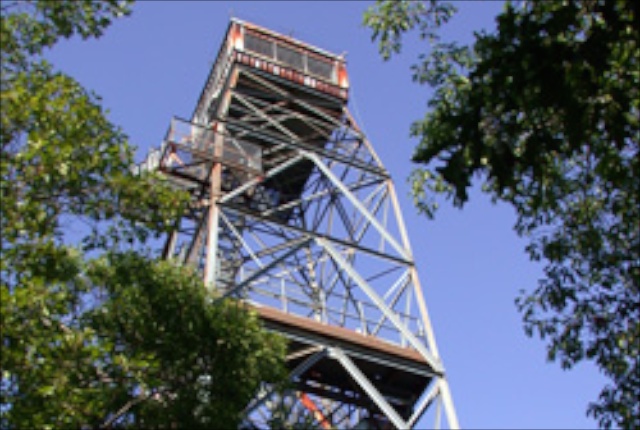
293 213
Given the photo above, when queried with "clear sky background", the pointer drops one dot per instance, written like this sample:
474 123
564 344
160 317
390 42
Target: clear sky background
152 65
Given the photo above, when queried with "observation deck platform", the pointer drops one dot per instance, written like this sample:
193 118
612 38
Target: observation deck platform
399 373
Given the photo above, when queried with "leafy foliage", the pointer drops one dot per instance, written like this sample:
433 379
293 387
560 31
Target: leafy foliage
29 27
154 351
546 111
95 331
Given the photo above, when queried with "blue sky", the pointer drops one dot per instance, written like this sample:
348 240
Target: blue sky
152 65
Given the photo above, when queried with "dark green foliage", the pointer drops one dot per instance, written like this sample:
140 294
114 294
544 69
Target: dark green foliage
96 332
546 111
132 343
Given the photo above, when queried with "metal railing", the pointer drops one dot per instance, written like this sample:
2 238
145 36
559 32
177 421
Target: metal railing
208 143
362 316
204 143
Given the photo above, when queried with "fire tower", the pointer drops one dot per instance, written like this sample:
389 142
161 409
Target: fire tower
293 213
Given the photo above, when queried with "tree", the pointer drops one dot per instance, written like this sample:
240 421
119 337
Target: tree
545 111
96 331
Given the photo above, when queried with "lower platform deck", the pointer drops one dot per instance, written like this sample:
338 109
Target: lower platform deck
400 374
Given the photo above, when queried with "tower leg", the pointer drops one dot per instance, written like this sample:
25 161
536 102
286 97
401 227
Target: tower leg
212 228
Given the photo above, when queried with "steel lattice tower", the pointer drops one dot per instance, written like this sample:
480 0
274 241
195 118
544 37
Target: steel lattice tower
293 212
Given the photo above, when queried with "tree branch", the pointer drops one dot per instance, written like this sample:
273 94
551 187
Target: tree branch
125 408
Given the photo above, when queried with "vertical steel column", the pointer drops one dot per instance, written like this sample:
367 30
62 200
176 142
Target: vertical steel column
212 264
213 226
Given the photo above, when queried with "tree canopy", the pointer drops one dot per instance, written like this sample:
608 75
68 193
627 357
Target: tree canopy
545 111
96 331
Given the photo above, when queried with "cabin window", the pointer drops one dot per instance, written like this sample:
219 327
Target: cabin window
290 57
258 45
319 67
